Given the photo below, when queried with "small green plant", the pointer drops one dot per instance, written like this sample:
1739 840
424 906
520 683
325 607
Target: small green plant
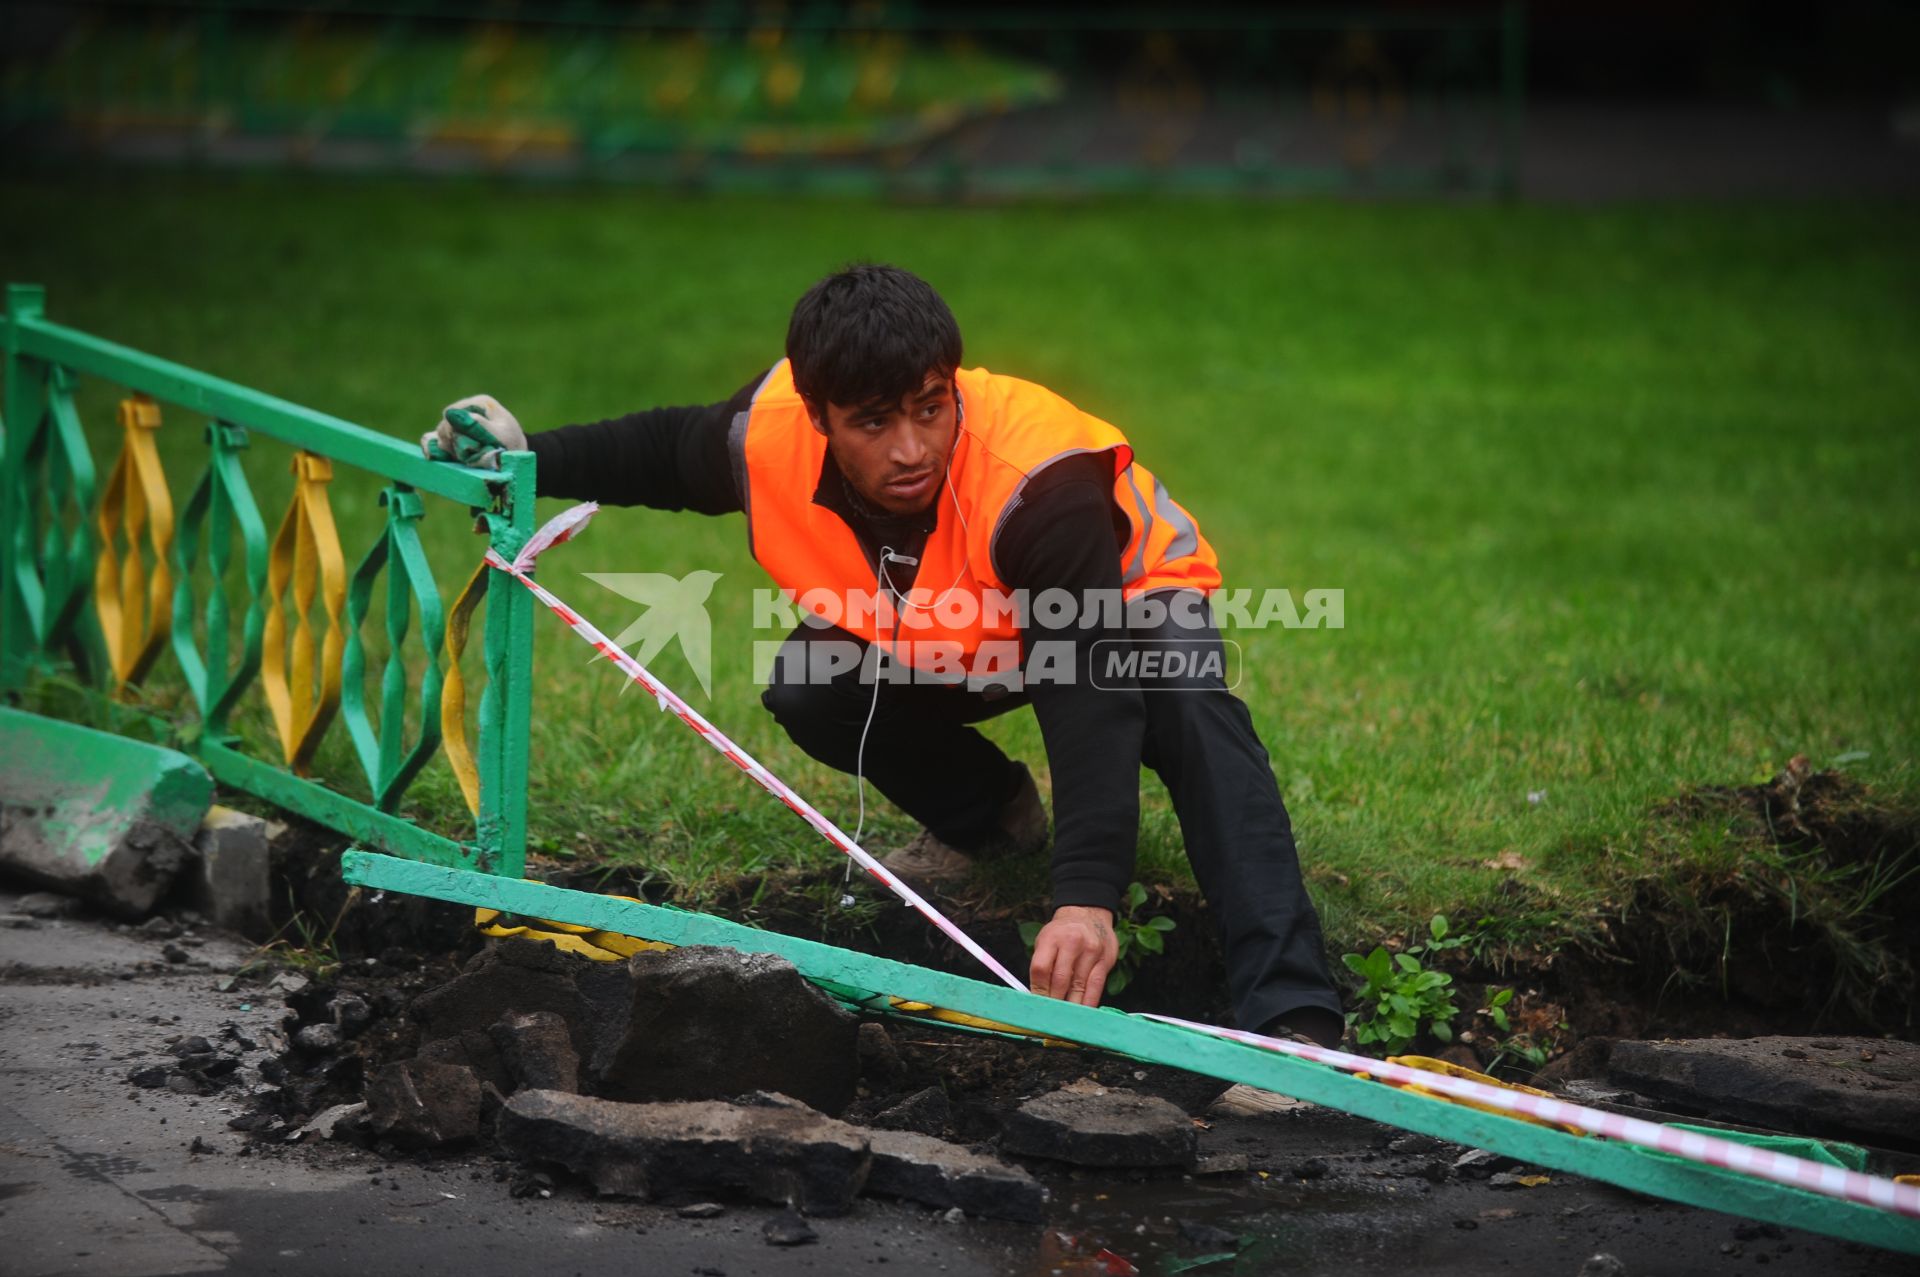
1137 936
1533 1049
1509 1045
1496 1010
1520 1047
1440 937
1402 995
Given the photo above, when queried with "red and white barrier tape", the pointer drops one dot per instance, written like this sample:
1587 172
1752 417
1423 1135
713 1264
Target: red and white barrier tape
567 525
1781 1168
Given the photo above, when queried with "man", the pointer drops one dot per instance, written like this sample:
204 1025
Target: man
870 461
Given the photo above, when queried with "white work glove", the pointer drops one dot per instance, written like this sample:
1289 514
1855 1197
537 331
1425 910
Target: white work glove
476 436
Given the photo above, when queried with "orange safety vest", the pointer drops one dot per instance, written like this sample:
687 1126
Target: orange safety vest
1012 430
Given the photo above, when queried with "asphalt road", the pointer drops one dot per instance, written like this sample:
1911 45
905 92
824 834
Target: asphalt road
97 1177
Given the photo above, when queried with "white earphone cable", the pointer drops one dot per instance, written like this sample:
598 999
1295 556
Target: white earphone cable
882 583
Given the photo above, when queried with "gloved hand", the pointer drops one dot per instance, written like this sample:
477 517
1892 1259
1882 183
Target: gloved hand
473 432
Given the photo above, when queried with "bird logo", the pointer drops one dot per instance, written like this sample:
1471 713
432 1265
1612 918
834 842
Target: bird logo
676 608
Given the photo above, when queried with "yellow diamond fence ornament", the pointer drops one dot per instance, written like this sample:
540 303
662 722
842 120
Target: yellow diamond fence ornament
134 601
300 672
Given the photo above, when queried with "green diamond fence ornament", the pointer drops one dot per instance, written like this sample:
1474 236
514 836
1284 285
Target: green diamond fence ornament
391 766
47 493
25 585
221 503
55 534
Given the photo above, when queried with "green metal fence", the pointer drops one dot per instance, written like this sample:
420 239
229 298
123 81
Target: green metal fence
866 97
99 582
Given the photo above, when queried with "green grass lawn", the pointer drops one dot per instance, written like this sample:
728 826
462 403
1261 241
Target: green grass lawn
1622 500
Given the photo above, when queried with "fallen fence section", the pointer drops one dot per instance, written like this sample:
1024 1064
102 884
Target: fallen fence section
868 982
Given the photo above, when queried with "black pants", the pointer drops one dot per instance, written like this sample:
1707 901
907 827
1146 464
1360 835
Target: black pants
925 756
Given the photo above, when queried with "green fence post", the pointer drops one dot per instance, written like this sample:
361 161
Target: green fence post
506 706
25 402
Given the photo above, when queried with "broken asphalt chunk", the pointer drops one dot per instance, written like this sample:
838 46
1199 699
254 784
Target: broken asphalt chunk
1866 1088
788 1229
706 1023
935 1173
332 1123
927 1112
525 975
1090 1126
879 1058
318 1039
424 1102
350 1011
46 905
537 1051
784 1155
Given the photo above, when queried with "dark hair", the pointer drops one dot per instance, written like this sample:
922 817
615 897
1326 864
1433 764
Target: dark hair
870 334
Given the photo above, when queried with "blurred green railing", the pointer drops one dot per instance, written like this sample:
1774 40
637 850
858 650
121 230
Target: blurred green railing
98 581
872 97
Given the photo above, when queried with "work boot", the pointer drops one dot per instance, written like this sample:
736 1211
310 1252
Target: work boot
1241 1100
1021 829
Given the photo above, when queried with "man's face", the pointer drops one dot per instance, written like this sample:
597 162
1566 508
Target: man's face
895 454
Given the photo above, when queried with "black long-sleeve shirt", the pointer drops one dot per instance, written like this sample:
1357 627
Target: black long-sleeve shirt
1065 533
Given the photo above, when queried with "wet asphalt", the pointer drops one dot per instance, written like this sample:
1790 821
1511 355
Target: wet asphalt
98 1177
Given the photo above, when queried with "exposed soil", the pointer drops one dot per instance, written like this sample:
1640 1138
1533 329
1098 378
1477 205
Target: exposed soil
1316 1186
1312 1190
1747 953
1815 926
103 1173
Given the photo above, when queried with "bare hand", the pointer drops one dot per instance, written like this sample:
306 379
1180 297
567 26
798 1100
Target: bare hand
1073 954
